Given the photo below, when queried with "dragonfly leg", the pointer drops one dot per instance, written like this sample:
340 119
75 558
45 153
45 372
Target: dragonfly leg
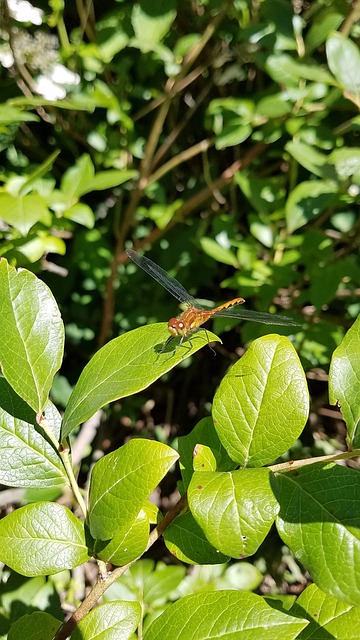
209 345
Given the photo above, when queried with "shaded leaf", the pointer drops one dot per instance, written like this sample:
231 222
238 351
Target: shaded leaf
203 433
307 201
319 521
187 542
38 625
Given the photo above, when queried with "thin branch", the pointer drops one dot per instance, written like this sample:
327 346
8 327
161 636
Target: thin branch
103 584
297 464
181 157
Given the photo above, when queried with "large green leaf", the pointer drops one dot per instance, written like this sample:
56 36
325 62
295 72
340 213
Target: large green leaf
41 539
344 381
231 615
307 201
112 621
313 160
187 542
22 212
319 521
152 19
38 625
26 457
125 366
262 404
329 618
76 180
344 61
235 509
121 482
31 335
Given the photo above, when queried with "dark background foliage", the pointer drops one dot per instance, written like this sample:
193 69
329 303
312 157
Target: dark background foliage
223 138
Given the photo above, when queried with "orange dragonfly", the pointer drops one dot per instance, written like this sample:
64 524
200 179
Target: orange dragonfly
195 315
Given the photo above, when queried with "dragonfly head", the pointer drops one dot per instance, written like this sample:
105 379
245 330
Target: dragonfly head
176 327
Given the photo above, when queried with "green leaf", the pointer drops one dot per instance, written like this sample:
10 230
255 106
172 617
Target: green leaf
347 163
41 539
307 201
204 459
328 617
310 158
262 404
319 521
26 457
112 621
219 253
344 381
109 179
11 402
234 509
203 433
285 70
327 20
77 179
152 19
187 542
31 335
156 585
9 115
127 544
39 171
80 213
38 625
344 61
121 482
207 615
125 366
35 248
22 212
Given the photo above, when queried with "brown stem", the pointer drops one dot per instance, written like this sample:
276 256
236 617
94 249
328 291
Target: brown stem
174 134
183 156
103 584
353 17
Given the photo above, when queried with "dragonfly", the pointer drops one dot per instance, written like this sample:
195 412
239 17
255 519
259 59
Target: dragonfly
195 315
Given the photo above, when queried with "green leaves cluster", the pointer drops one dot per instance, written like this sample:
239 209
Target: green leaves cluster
233 500
157 100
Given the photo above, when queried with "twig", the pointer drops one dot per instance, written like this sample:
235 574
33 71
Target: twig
103 584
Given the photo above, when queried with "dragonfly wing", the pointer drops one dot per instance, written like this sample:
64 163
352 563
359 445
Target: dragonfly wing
257 316
168 282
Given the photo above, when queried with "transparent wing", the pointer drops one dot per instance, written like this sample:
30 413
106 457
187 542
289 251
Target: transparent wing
170 284
257 316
